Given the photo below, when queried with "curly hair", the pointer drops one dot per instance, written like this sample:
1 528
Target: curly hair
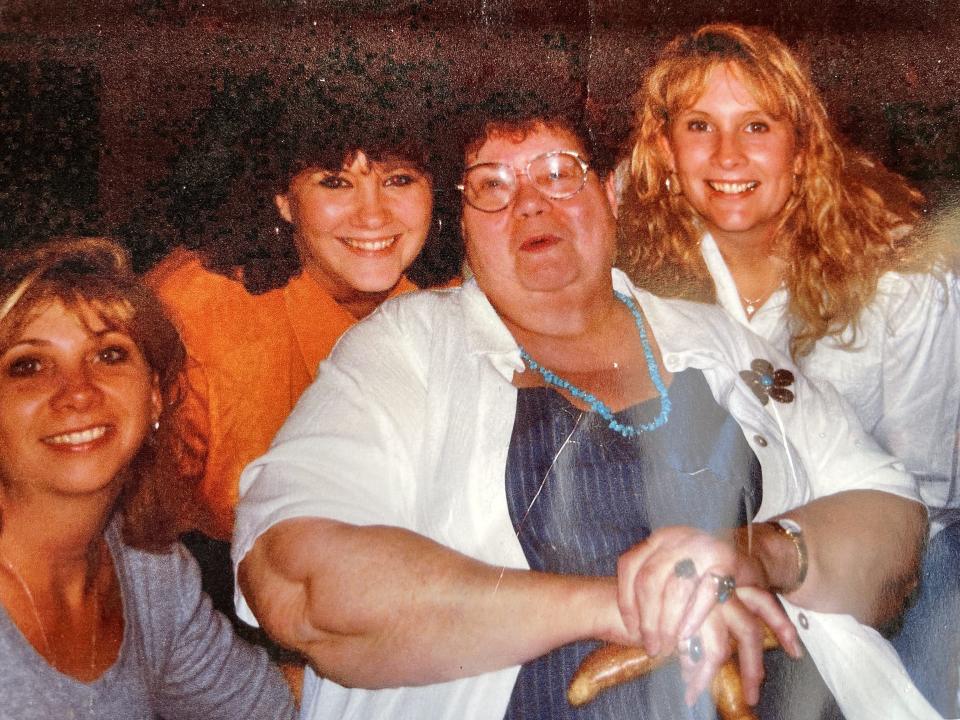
225 180
95 274
843 226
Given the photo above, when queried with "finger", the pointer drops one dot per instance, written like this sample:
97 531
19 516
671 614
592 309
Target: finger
663 594
689 656
716 650
766 607
745 629
629 566
677 595
650 592
704 600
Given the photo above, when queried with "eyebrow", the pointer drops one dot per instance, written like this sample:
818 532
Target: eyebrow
385 166
397 164
40 342
33 342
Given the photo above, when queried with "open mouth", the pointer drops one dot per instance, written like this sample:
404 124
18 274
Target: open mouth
539 242
369 245
79 437
733 188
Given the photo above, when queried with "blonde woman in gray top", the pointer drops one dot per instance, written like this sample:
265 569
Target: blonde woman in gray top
101 614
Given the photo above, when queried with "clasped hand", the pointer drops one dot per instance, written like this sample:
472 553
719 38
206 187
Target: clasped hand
683 590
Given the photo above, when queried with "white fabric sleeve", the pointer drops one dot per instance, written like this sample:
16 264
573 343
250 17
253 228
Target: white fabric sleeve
347 450
921 380
838 453
838 643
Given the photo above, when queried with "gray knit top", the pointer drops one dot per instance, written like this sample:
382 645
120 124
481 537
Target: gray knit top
179 659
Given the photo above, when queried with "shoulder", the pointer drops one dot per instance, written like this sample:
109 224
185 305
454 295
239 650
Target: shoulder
686 325
909 299
182 268
187 287
937 286
407 340
198 299
413 317
165 572
158 588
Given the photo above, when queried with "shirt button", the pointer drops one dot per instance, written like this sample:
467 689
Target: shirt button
804 623
760 440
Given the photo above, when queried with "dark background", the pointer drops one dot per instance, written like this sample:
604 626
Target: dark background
100 99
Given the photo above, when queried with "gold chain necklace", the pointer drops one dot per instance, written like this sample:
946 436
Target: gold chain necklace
751 305
8 566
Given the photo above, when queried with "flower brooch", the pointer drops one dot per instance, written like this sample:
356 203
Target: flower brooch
768 383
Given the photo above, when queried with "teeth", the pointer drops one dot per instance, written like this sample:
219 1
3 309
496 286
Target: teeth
369 245
78 438
732 188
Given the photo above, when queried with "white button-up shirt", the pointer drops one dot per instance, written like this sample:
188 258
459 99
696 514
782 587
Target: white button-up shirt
409 421
900 370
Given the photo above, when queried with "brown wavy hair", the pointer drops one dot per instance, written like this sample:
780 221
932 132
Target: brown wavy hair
96 273
844 225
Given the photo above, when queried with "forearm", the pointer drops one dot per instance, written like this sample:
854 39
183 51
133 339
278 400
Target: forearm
863 549
380 606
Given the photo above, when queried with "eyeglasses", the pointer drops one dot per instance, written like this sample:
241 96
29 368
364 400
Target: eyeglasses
557 175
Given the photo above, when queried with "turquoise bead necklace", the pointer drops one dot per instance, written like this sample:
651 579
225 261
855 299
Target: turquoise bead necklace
598 405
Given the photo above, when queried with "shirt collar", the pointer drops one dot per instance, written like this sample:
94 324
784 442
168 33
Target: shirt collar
674 322
727 295
689 334
486 334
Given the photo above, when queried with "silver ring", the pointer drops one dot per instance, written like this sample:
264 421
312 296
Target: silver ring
725 587
685 568
692 649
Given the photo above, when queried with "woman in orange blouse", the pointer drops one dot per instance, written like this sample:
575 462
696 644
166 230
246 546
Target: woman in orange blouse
334 205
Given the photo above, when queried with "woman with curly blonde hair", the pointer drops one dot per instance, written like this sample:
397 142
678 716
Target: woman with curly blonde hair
740 193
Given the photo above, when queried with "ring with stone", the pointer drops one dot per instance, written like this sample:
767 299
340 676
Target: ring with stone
725 587
693 648
685 568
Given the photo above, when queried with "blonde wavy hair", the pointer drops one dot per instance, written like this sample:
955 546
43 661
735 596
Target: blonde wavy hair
844 225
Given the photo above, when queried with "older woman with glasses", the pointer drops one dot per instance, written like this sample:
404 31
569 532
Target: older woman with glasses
483 482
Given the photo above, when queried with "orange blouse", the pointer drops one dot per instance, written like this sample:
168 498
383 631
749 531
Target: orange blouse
249 359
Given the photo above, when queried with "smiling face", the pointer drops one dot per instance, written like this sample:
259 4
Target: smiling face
735 161
358 229
76 402
537 248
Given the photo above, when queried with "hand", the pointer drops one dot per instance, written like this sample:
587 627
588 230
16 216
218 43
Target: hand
668 593
736 625
654 595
